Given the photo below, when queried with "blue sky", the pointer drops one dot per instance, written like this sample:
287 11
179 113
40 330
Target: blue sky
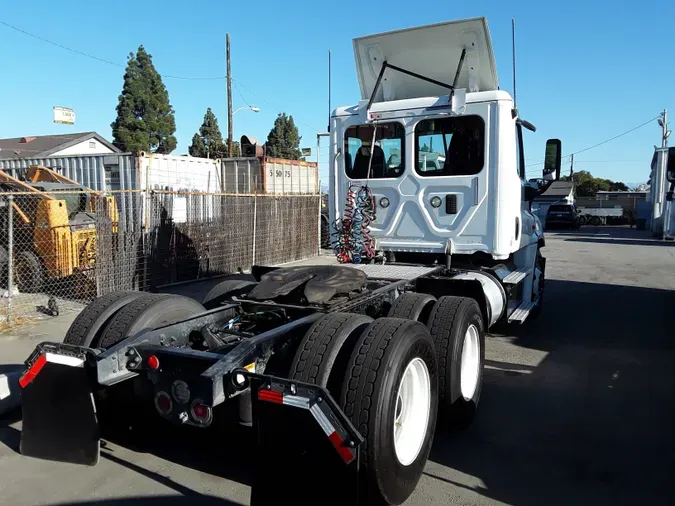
586 71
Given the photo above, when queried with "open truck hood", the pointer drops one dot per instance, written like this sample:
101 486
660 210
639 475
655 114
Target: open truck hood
433 51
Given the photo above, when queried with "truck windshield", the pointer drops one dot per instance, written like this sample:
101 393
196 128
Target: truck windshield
388 153
454 146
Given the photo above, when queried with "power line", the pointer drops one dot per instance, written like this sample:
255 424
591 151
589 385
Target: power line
605 141
103 60
168 76
271 104
236 87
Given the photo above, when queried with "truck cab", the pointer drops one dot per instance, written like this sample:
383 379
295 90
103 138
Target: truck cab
440 148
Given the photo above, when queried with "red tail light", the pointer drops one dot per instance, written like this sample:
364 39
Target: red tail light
163 403
201 412
153 362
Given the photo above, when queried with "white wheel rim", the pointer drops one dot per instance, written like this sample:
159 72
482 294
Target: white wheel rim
411 413
470 369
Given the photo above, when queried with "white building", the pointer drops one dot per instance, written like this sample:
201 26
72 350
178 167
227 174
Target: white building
84 143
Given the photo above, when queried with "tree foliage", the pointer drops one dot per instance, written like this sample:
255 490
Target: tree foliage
145 119
589 186
283 140
208 143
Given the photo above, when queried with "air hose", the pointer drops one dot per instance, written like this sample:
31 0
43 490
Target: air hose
350 236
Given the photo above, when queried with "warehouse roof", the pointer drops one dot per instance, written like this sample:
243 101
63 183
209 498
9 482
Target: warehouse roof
46 145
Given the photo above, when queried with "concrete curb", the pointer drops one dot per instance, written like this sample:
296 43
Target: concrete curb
10 392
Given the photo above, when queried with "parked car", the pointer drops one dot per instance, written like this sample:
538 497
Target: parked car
563 216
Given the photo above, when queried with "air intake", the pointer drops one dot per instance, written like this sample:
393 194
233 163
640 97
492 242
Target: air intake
451 204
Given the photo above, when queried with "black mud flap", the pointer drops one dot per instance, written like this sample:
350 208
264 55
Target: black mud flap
59 417
307 450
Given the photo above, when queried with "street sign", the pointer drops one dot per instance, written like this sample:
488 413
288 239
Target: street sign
64 115
306 151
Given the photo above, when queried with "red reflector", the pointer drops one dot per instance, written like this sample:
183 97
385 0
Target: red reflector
33 371
340 446
163 402
271 396
153 362
200 411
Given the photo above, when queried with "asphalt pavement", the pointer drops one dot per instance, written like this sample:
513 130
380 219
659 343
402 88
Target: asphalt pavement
577 407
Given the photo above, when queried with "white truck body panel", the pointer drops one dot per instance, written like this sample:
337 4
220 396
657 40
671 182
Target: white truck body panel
433 51
491 215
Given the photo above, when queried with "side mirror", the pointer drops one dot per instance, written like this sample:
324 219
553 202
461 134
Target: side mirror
670 165
552 160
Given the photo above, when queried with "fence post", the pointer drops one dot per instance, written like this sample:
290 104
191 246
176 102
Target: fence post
255 216
320 204
10 255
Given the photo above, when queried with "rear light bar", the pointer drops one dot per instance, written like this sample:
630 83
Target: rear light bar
319 410
43 360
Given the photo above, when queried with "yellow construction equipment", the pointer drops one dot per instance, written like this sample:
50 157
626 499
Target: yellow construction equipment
54 233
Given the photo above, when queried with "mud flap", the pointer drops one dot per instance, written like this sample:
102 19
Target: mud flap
59 416
307 450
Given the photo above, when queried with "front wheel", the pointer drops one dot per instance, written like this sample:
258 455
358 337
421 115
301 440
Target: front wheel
28 273
390 393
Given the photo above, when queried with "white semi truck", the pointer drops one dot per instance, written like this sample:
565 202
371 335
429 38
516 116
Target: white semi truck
344 372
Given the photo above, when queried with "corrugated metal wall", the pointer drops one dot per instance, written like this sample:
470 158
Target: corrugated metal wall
274 176
242 175
98 172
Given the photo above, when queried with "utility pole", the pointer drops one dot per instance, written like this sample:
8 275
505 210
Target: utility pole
571 167
229 97
329 110
664 127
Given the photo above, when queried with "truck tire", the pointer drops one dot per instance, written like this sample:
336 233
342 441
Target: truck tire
325 348
86 329
225 289
457 328
392 378
596 221
147 312
412 306
28 272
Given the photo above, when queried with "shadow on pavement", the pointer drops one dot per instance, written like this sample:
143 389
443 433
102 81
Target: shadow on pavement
594 422
191 500
630 242
222 450
9 436
11 368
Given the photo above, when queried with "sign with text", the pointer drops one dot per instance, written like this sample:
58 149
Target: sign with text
64 115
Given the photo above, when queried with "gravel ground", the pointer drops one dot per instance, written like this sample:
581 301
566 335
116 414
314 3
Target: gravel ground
577 407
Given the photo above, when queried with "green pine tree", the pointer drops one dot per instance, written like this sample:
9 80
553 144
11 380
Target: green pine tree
145 119
209 142
283 140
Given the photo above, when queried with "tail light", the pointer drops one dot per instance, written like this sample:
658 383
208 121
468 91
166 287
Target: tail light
153 362
201 413
163 403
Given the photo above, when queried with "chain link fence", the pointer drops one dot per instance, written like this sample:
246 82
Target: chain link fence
61 249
